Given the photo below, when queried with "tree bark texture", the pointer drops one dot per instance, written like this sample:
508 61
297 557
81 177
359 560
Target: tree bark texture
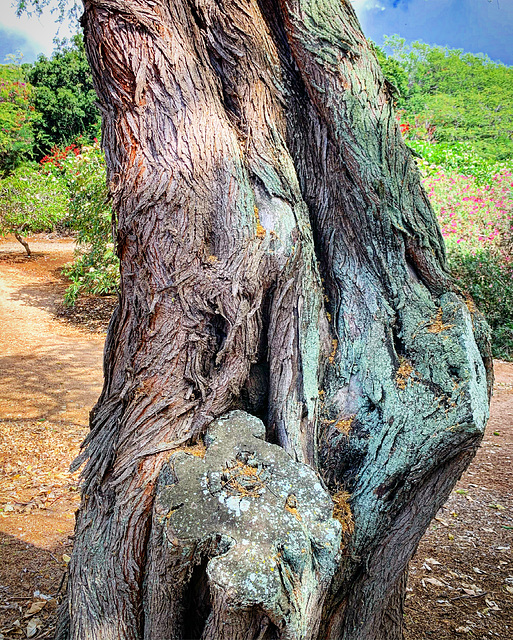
279 257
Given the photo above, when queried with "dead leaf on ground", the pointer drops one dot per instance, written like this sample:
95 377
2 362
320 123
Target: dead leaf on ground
32 627
35 608
434 582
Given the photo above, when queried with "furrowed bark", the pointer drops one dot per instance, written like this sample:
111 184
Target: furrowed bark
252 149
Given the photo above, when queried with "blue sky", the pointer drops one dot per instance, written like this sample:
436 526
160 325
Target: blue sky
478 26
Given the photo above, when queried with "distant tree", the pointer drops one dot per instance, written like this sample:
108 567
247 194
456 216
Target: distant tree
64 96
31 201
463 96
17 115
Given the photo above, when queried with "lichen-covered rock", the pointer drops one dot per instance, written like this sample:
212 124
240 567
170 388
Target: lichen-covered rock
260 525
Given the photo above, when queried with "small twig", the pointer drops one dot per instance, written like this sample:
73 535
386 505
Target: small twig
61 584
466 595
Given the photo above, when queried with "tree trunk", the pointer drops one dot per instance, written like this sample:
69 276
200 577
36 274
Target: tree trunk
279 257
23 242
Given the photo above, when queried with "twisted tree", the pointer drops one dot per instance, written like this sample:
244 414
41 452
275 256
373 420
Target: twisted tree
282 279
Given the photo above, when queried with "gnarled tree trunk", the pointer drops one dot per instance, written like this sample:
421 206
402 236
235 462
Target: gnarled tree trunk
279 257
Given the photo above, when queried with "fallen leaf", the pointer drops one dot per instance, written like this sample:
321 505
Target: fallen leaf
463 630
499 507
509 589
435 582
66 558
471 592
492 605
35 608
477 570
432 561
32 627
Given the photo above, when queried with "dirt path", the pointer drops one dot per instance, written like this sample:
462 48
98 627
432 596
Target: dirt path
461 580
50 377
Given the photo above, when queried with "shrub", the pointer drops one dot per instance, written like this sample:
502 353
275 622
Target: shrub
64 97
96 266
476 221
31 201
17 118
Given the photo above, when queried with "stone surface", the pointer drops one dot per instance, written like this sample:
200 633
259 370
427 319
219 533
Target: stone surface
276 538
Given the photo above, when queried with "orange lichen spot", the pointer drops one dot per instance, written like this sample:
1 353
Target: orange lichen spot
328 315
260 231
334 347
342 512
471 306
291 506
403 373
198 449
212 259
243 480
437 326
344 426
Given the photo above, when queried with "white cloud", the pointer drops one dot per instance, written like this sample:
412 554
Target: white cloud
367 5
40 31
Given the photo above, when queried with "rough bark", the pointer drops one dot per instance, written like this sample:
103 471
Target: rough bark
279 256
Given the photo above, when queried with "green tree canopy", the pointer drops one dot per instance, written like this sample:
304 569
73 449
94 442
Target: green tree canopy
461 96
64 96
17 116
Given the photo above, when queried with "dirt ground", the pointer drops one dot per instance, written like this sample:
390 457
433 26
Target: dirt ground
461 579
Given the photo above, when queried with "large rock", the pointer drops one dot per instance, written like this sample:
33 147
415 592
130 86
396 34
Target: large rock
251 525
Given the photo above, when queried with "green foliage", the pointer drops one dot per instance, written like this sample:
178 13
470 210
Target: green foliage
395 74
477 224
488 277
460 157
459 97
31 201
17 117
96 266
456 113
64 96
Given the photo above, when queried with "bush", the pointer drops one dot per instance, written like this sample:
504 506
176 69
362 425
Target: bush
488 278
460 157
476 221
64 97
31 201
96 266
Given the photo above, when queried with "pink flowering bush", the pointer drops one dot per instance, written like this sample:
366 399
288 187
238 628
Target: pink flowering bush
476 215
477 224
